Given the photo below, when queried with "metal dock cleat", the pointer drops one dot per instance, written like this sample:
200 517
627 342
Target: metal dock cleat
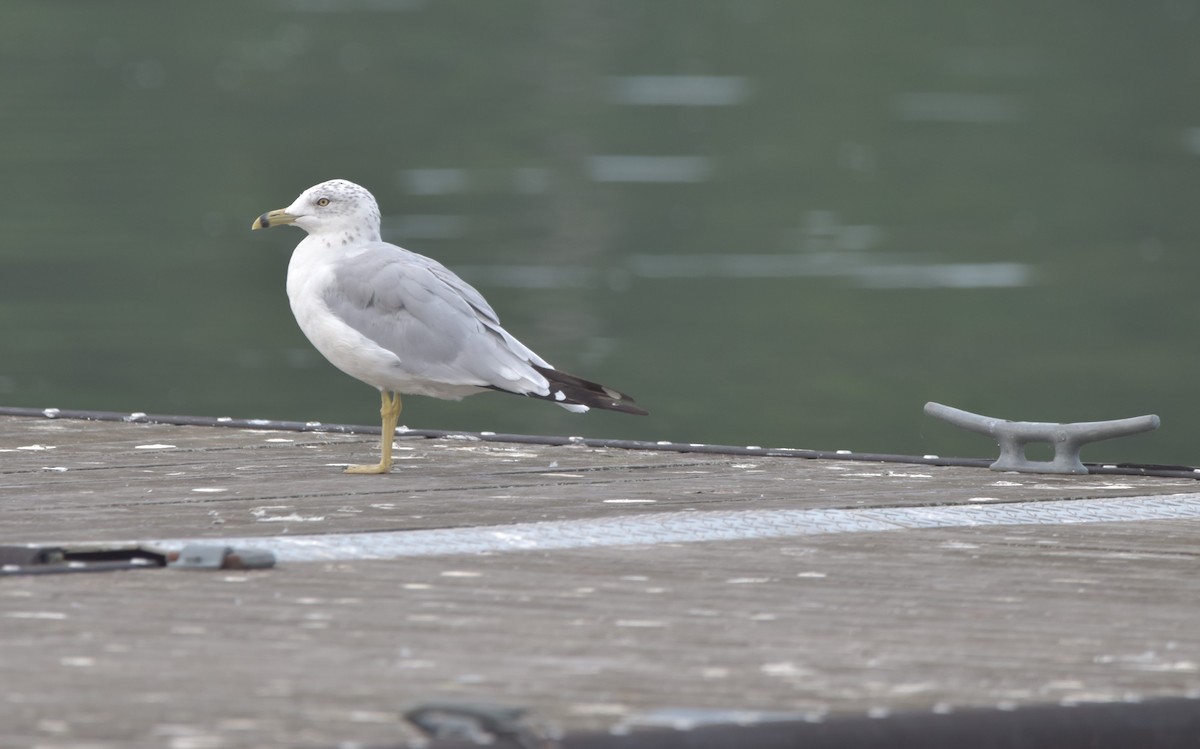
1066 439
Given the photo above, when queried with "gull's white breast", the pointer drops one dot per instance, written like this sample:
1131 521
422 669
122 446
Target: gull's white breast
310 276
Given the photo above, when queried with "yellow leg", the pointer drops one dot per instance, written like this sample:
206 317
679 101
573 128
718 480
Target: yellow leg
389 412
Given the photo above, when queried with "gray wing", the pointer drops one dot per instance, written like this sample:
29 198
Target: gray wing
439 327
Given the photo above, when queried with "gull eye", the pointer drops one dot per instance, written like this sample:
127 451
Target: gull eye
322 202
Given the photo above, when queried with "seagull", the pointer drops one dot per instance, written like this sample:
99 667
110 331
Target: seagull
404 323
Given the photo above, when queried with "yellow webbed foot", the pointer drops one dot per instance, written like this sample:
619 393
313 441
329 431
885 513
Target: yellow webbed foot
378 468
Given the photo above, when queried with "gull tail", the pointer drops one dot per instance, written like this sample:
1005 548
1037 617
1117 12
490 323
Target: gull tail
568 390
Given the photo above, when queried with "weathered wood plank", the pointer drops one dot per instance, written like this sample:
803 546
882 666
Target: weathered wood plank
319 653
98 481
322 653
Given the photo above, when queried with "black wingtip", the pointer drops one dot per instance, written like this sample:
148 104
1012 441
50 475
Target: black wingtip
574 390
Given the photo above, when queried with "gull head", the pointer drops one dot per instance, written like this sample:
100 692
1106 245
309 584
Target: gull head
334 207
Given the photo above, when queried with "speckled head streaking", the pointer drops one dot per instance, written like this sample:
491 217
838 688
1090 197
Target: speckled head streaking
336 207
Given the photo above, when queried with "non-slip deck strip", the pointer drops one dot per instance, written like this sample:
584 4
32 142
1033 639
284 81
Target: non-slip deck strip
692 527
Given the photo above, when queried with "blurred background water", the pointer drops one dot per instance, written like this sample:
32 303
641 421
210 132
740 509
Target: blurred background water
773 222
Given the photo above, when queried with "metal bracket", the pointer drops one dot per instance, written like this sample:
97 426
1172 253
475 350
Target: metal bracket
214 557
1066 439
480 723
31 559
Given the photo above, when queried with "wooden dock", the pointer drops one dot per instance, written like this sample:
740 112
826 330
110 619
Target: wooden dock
615 594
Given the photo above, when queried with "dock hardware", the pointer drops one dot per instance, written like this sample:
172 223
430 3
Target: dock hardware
218 557
32 559
1066 439
499 726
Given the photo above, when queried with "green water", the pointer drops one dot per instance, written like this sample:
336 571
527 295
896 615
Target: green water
848 209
